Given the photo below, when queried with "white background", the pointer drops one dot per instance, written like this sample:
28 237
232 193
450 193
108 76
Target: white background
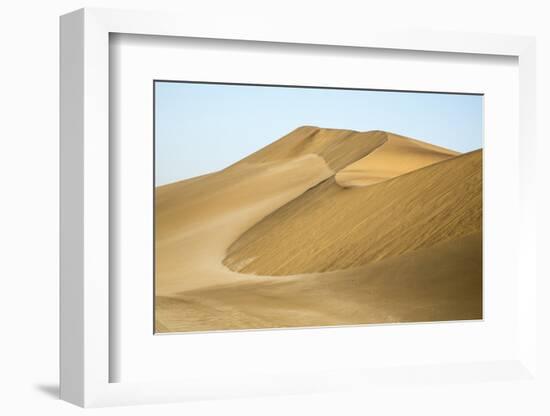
29 207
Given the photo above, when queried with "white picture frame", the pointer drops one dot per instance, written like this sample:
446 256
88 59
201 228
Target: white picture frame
85 219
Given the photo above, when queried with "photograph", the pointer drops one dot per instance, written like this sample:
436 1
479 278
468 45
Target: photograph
297 206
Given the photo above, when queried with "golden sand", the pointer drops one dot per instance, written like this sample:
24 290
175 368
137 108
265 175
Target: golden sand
322 227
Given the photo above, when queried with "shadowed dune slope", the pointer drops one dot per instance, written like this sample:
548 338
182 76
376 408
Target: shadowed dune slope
332 228
439 283
398 155
337 147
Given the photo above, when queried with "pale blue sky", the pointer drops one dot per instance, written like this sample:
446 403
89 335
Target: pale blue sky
201 128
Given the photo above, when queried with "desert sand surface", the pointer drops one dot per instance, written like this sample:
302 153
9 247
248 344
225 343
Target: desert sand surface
308 231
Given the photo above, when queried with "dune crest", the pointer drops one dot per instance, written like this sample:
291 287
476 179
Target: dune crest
396 156
337 147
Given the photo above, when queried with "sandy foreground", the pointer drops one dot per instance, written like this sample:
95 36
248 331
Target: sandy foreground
322 227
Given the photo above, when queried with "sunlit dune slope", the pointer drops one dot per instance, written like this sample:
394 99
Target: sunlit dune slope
442 282
398 155
331 228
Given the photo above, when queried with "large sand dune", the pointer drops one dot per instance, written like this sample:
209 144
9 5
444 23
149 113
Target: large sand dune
309 231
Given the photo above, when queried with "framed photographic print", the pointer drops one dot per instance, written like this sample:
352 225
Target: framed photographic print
346 224
273 212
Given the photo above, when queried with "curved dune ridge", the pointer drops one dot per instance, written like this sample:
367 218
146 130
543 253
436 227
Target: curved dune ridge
322 227
398 155
197 219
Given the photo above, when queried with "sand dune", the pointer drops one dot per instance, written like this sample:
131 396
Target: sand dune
197 219
308 231
396 156
331 228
